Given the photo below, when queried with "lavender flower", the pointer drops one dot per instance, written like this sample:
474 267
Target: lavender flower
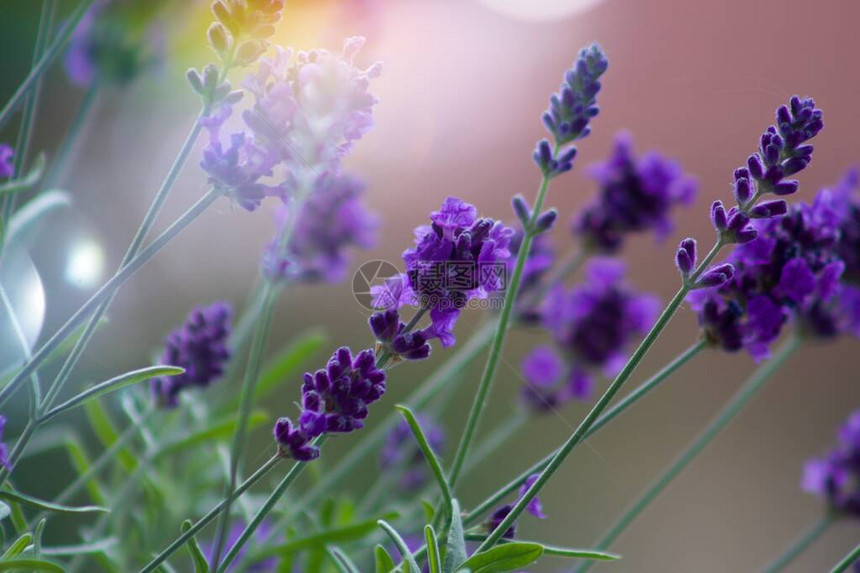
308 112
263 566
534 507
636 195
331 221
7 167
200 347
538 264
401 452
455 259
391 337
836 477
334 400
592 325
4 453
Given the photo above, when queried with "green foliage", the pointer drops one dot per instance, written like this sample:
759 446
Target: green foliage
200 563
503 558
455 548
47 505
433 557
384 562
409 563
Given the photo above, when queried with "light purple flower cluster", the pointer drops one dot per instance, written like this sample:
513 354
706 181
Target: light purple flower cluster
308 111
200 347
4 453
457 258
334 400
836 477
534 507
7 167
332 220
592 325
636 195
538 264
571 111
401 451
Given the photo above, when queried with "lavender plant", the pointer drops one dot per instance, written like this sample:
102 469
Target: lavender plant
281 136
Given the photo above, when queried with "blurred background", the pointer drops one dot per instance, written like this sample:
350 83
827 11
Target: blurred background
463 87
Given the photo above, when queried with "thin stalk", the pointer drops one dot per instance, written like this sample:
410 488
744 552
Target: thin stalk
61 159
640 392
592 416
106 291
264 510
741 398
50 54
847 561
800 545
35 384
485 385
210 515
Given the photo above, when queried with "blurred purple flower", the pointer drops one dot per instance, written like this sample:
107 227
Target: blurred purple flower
7 167
200 347
4 453
836 477
267 565
534 507
636 195
401 451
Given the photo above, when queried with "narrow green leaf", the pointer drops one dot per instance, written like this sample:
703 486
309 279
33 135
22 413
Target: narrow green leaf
504 558
409 564
18 519
384 562
215 431
37 538
455 553
17 547
200 563
428 452
30 565
429 511
568 552
82 549
25 218
433 558
107 434
112 385
335 535
343 563
24 183
81 462
47 505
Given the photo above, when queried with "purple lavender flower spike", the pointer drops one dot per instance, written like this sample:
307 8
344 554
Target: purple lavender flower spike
331 221
200 347
401 451
388 330
4 453
636 195
7 167
685 257
294 442
716 276
542 370
535 507
538 264
836 477
459 257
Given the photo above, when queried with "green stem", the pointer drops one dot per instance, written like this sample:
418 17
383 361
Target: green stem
741 398
48 57
847 561
485 385
210 515
806 539
61 159
261 514
592 416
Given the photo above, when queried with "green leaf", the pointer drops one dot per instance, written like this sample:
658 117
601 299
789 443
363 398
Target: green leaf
17 548
384 562
24 218
5 511
81 462
343 563
200 563
428 452
107 434
82 549
47 505
429 511
330 536
285 364
112 385
31 178
215 431
455 553
503 558
37 538
409 564
30 565
433 558
568 552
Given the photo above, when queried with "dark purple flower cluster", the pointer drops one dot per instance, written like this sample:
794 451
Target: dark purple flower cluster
636 195
335 400
332 220
570 111
200 347
7 167
836 477
393 338
538 264
592 326
534 507
4 453
401 451
457 258
308 112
